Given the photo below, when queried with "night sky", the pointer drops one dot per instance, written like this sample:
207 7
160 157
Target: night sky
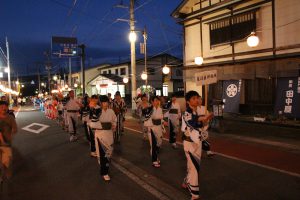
30 24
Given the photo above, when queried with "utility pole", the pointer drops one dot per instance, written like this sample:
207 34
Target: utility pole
70 72
48 68
8 71
132 48
145 52
82 47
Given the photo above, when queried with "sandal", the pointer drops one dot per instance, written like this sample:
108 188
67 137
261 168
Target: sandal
156 164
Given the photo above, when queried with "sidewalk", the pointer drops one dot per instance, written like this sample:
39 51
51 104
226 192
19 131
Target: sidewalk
279 156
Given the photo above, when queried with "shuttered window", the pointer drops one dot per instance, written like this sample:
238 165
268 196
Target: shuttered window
233 29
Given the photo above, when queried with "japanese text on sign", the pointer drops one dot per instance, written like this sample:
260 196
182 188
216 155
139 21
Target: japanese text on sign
289 94
206 77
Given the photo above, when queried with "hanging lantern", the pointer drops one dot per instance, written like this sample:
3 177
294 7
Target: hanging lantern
199 60
125 80
252 40
144 76
166 69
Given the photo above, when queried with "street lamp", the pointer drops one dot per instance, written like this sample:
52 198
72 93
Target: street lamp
22 86
42 84
75 85
144 76
55 78
252 40
199 60
125 80
132 36
166 69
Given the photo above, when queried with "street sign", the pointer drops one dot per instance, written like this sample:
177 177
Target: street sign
64 46
206 77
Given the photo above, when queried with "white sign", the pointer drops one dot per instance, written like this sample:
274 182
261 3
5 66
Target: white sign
206 77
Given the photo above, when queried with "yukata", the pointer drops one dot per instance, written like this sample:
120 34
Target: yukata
202 112
72 108
65 114
143 119
93 125
192 146
120 109
173 114
85 117
104 139
153 121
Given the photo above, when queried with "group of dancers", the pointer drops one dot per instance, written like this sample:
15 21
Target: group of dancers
103 120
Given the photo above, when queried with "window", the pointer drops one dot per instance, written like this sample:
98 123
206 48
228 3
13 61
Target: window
150 71
109 71
180 89
165 90
116 71
232 29
104 72
158 92
123 71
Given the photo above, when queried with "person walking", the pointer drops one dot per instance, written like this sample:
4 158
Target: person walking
173 114
154 121
8 129
192 142
104 137
72 107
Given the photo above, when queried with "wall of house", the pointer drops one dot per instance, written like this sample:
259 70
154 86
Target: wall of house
287 30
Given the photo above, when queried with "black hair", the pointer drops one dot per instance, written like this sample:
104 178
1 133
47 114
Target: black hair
118 93
103 98
143 95
191 94
94 96
3 103
155 97
174 95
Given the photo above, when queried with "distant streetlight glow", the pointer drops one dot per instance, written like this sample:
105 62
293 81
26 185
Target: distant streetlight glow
132 36
166 69
22 86
144 76
199 60
55 78
125 80
75 85
252 40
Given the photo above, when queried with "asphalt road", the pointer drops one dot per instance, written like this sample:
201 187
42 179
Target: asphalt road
48 167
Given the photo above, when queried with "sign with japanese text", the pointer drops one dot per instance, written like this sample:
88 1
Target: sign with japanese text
206 77
231 95
64 46
288 97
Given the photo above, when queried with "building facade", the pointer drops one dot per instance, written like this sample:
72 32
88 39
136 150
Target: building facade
217 31
109 78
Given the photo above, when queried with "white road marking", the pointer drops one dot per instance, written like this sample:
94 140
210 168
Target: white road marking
152 184
16 115
238 159
140 182
259 165
43 127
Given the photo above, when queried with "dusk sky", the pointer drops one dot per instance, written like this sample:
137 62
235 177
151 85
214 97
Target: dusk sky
30 24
